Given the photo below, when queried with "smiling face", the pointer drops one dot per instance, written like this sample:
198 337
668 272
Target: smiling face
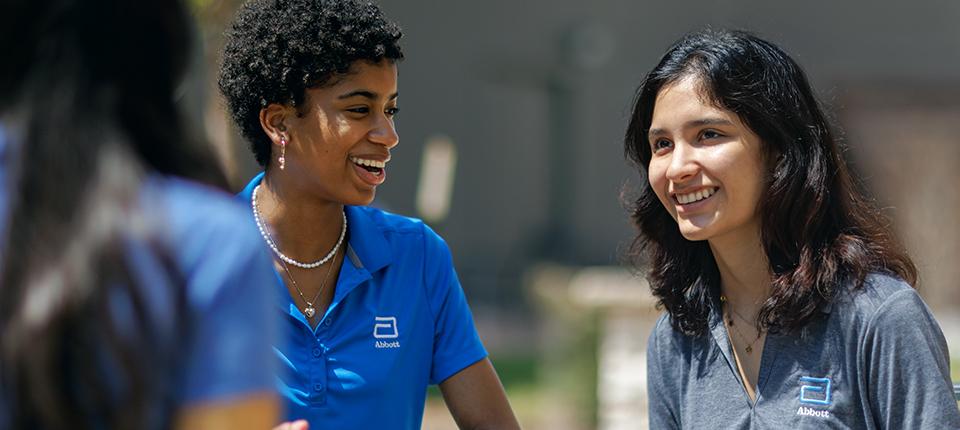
339 146
706 165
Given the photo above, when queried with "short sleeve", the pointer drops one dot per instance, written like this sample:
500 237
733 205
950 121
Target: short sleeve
661 402
229 280
456 344
908 366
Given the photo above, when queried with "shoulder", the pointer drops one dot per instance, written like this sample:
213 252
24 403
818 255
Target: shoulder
885 309
207 228
402 231
664 340
879 293
388 222
194 203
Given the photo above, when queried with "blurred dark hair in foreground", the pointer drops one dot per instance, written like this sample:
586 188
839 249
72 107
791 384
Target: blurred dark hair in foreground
87 100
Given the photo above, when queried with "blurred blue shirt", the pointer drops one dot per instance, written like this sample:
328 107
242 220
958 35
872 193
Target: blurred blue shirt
398 322
228 275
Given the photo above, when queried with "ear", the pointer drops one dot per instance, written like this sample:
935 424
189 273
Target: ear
275 119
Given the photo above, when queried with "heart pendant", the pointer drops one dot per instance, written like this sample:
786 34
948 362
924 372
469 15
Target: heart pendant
309 311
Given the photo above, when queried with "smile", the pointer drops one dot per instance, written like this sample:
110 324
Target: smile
372 172
695 196
373 166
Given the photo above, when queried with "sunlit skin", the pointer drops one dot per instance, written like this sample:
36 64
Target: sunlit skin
353 117
302 204
698 147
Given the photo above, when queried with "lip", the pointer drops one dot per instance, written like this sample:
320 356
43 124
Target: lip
368 177
697 205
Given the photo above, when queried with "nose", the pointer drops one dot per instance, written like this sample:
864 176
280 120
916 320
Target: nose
684 164
384 132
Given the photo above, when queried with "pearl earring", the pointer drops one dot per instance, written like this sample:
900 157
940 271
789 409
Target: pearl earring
283 151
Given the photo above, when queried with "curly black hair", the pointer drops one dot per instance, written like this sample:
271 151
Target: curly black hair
277 49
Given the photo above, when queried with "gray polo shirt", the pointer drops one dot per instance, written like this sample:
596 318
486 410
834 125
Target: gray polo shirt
874 359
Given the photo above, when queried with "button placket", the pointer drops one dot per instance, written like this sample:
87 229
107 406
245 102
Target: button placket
318 383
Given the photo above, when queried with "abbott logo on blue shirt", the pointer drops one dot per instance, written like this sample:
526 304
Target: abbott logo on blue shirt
386 328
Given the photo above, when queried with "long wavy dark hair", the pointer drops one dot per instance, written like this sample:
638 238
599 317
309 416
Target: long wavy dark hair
819 233
88 111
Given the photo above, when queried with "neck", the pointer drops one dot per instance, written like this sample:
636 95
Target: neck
303 227
744 271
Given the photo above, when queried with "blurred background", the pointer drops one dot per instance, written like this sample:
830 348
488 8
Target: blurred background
511 147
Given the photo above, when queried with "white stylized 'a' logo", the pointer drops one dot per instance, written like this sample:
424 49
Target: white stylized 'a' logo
385 328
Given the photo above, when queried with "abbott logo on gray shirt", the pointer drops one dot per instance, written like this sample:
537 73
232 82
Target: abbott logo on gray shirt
814 391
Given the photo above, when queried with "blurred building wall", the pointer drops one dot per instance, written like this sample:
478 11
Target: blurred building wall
536 94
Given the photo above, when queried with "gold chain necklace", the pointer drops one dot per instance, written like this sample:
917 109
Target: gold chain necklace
729 321
310 310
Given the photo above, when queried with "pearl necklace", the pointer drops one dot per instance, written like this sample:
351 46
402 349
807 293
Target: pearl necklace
267 238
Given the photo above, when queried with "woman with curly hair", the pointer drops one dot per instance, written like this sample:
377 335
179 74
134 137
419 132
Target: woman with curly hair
788 302
130 297
370 303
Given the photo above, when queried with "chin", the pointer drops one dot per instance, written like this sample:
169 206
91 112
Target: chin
361 199
694 236
694 233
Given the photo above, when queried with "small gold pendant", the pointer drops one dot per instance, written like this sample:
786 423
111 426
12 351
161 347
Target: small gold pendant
309 311
749 349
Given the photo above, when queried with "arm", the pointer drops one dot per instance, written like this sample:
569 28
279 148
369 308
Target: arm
469 383
477 400
228 376
908 367
252 412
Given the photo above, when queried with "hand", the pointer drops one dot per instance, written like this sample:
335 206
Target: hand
294 425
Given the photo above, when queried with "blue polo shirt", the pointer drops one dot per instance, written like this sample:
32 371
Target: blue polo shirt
398 322
223 265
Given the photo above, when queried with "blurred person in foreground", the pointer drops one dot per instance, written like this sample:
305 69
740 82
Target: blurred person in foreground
789 303
130 298
369 301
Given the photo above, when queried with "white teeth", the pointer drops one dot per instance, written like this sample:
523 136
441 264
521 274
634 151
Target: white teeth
695 196
369 163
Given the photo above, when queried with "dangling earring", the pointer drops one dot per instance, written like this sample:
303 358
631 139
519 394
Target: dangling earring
283 151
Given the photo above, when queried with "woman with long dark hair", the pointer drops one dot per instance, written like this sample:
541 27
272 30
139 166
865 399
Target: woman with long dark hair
789 303
369 301
130 299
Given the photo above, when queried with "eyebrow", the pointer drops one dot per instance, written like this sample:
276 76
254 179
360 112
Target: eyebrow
695 123
365 94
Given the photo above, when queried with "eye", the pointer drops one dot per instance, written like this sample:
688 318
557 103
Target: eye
660 145
359 109
392 111
710 134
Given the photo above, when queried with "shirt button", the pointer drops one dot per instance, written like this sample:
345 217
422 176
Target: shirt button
317 352
327 322
317 387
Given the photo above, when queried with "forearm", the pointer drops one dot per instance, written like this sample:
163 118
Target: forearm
476 399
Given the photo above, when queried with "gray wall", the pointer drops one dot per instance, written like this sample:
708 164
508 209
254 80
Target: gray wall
537 109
